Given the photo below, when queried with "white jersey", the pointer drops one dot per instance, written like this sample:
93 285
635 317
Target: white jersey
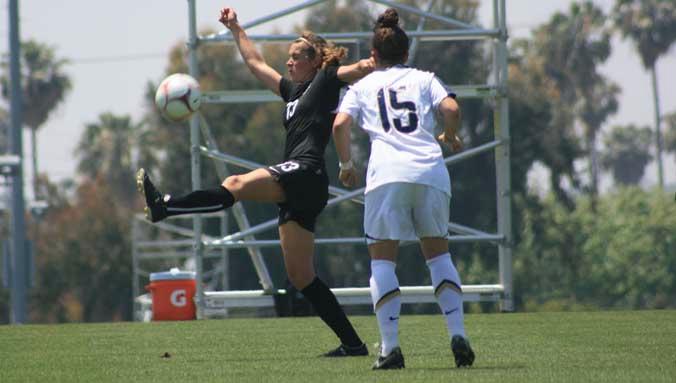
396 107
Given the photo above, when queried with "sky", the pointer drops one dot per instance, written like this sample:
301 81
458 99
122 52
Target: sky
115 48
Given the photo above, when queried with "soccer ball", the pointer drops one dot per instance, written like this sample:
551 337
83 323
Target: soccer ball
178 97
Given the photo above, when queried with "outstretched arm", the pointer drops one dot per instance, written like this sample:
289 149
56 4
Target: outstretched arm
252 58
353 72
341 136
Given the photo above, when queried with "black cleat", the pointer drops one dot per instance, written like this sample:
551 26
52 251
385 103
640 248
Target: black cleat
344 350
393 361
156 209
464 356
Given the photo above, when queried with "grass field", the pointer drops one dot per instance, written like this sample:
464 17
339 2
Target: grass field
617 346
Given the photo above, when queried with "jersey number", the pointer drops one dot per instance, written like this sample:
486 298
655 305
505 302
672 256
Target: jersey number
396 105
289 166
291 108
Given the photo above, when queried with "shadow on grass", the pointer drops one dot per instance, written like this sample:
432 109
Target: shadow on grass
473 368
273 358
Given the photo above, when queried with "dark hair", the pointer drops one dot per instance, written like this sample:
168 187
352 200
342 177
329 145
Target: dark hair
389 40
329 53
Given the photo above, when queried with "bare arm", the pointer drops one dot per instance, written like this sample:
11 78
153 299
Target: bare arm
341 137
252 58
450 113
353 72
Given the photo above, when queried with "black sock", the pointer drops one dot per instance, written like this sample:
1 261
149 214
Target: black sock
326 305
201 201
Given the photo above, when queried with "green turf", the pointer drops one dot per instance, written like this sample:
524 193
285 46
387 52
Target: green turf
619 346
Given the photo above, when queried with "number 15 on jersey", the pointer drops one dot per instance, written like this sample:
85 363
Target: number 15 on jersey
391 105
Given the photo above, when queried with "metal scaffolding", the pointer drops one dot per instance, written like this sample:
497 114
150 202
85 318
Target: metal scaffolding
198 246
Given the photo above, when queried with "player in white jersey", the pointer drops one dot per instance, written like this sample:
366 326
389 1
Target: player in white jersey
408 188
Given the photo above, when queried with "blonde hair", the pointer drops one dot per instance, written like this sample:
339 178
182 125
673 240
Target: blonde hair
328 52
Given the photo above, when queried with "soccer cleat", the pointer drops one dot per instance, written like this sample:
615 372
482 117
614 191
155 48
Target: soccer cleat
393 361
344 350
464 356
156 209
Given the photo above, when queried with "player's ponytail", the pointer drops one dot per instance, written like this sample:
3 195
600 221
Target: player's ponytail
389 40
388 19
315 44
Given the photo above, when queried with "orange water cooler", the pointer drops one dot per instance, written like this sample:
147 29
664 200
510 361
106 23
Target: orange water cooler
172 295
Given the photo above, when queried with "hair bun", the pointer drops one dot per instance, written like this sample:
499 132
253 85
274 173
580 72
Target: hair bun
388 19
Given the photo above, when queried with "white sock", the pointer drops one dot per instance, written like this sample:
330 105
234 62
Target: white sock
386 303
448 290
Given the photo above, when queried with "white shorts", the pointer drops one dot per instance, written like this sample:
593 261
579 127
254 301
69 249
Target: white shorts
405 212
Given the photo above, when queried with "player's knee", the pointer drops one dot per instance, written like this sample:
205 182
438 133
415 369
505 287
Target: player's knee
300 279
434 246
233 184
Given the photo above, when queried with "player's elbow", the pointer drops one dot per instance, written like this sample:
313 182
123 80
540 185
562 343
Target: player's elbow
337 128
341 123
450 109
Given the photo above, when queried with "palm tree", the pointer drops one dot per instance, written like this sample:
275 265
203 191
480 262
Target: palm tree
651 24
542 123
44 86
107 150
670 136
599 102
627 153
572 46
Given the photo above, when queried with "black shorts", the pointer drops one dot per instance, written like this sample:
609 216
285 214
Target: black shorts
307 191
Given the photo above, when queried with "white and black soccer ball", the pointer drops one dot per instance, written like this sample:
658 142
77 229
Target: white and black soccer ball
178 97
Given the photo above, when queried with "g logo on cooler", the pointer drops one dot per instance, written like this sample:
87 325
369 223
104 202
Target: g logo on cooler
178 298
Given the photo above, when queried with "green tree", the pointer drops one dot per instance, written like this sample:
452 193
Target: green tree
572 46
670 135
106 150
600 101
651 25
631 246
553 82
84 265
542 124
84 268
44 85
625 253
627 153
353 15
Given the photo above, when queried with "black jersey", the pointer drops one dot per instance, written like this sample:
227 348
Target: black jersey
309 114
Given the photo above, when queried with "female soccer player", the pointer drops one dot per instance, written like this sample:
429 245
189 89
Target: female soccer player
407 184
299 185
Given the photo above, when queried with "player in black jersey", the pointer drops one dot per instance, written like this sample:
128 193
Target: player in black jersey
299 185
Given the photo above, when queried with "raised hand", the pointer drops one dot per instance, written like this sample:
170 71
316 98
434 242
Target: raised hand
228 17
